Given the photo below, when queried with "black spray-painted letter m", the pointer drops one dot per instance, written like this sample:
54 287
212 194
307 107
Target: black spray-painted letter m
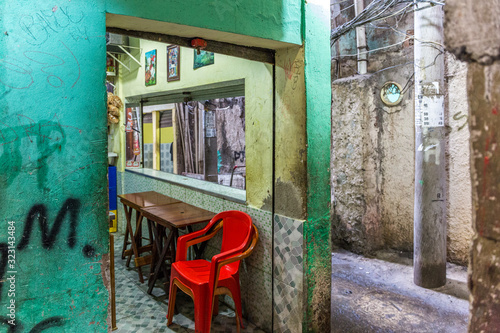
49 236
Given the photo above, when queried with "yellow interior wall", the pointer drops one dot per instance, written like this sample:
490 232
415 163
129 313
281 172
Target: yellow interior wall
258 99
147 134
166 135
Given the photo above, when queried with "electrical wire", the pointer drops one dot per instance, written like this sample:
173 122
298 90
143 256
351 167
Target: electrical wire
378 10
374 50
338 3
346 8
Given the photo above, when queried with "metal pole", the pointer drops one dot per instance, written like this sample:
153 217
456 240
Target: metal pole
430 173
361 40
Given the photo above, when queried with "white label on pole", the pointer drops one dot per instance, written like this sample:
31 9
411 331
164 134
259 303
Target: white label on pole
210 133
432 111
418 109
210 129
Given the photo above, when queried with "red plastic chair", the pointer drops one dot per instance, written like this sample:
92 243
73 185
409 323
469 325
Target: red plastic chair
204 280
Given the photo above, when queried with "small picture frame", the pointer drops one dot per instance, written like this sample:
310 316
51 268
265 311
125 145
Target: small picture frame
173 63
110 66
150 70
203 58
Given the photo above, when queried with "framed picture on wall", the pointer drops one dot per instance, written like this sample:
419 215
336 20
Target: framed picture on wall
110 66
173 63
204 58
150 73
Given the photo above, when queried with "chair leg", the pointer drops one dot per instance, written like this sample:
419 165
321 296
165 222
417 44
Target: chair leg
236 295
202 313
171 302
216 306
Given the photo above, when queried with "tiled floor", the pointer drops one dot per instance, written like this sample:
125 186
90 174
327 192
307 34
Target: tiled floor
136 311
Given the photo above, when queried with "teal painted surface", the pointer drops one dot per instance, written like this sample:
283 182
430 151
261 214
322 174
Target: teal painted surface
317 229
53 162
53 143
276 20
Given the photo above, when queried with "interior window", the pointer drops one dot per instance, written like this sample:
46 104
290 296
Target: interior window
202 139
185 109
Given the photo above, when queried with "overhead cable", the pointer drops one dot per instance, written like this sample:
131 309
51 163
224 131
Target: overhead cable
378 10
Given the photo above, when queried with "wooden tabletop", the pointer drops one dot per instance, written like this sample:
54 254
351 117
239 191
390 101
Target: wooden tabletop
146 199
177 215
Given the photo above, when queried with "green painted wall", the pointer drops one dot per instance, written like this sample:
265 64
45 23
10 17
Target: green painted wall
53 162
276 20
317 229
258 108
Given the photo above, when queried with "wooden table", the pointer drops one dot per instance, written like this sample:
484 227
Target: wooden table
138 201
173 217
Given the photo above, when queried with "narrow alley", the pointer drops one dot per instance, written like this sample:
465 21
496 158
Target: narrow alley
281 166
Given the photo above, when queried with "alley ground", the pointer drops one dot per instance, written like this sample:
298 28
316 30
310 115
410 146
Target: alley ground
375 295
368 295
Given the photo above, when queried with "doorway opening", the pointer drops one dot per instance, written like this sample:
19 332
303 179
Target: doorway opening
187 127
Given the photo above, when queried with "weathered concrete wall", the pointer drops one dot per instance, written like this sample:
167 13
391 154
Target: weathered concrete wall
465 21
355 164
459 206
53 198
290 143
373 147
468 28
230 122
484 96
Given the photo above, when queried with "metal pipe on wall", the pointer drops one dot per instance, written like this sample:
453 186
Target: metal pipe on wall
361 40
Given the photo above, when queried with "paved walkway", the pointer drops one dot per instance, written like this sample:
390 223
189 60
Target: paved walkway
373 295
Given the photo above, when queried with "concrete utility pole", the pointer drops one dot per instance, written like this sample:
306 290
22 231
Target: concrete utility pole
429 262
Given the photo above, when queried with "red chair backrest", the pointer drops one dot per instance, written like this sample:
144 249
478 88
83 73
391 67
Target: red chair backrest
236 230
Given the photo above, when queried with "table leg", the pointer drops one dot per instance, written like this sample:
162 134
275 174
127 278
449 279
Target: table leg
173 243
154 251
134 249
134 235
161 260
150 232
128 214
138 229
158 236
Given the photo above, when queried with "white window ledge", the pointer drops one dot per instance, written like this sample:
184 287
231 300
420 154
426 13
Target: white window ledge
216 190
